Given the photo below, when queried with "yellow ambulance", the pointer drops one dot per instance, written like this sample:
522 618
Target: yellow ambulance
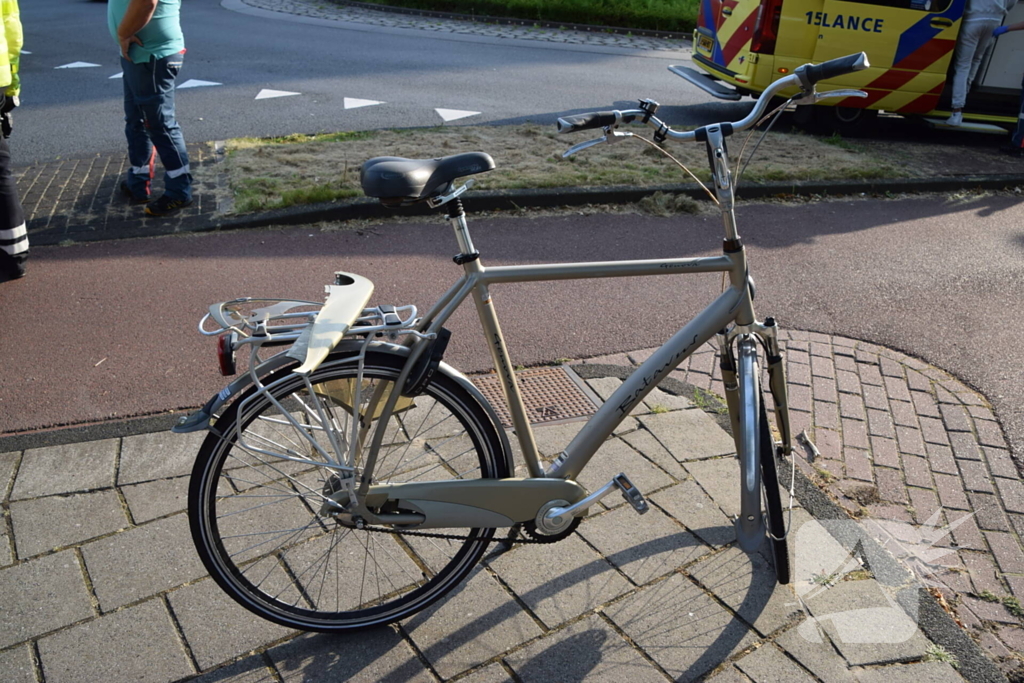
740 46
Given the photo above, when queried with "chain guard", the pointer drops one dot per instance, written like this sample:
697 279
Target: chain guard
535 537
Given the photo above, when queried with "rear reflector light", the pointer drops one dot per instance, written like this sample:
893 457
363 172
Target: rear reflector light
766 29
225 355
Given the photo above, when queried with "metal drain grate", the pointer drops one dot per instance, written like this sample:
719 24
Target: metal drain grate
551 394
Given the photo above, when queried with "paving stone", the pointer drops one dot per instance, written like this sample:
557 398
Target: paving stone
160 555
855 434
886 511
858 464
824 389
6 546
8 461
917 471
644 549
158 455
589 650
477 621
989 611
866 626
988 512
217 628
880 424
896 388
1016 584
941 459
910 441
495 673
964 446
552 439
747 584
616 456
951 492
249 670
680 627
1012 636
560 586
975 476
925 672
16 665
797 374
378 654
42 595
903 413
1001 463
890 485
799 397
1012 493
829 443
869 373
1007 551
989 434
925 404
729 674
993 646
885 452
646 443
965 531
983 572
689 434
955 418
156 498
688 504
826 415
817 655
82 467
767 664
42 524
136 644
925 504
720 479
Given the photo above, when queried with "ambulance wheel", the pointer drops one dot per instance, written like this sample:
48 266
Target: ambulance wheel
846 121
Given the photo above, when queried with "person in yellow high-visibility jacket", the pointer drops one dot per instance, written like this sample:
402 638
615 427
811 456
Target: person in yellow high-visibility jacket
13 237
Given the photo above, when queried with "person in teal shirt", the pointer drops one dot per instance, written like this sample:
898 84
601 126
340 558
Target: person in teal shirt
148 35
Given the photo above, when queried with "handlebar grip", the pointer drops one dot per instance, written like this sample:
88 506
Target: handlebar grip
812 73
596 119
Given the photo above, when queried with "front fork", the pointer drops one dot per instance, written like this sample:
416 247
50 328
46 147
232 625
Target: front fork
742 393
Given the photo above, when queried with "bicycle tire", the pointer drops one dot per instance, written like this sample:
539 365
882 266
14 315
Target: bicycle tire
242 501
776 522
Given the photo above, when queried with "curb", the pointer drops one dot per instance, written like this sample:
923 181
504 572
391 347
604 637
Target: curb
503 200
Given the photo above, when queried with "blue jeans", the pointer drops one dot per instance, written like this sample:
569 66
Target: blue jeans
150 123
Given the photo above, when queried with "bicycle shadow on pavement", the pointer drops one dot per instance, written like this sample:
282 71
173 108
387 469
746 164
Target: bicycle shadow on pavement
672 618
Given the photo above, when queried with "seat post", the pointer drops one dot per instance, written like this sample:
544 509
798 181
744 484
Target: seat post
457 218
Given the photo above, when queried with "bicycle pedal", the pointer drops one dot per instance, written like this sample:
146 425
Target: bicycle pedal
631 493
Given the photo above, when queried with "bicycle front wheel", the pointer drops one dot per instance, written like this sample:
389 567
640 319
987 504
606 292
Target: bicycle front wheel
755 435
260 483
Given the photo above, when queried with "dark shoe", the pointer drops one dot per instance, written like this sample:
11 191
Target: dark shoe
13 268
165 205
132 197
1012 151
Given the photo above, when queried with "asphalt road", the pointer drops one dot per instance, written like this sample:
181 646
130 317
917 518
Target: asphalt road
78 111
106 330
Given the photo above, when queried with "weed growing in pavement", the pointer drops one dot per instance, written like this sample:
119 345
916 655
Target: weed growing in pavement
658 409
1013 606
988 596
937 653
826 580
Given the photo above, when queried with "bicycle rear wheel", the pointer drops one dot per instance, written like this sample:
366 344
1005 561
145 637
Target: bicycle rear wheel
260 523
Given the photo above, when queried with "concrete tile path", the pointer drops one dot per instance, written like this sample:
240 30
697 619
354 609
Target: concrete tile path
99 580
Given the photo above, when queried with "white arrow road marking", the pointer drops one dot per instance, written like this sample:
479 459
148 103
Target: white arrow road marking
355 103
453 114
76 65
119 74
269 94
25 52
196 83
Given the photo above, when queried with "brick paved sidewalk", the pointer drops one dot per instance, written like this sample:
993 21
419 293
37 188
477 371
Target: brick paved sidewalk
99 580
79 199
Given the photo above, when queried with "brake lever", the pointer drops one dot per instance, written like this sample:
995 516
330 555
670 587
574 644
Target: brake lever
609 137
813 97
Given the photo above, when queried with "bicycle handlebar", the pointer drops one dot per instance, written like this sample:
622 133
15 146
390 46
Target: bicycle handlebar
804 77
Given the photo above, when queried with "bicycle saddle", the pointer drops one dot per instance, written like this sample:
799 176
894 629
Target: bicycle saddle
395 180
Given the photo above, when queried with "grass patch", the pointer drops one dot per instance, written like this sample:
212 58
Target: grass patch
937 653
655 15
266 173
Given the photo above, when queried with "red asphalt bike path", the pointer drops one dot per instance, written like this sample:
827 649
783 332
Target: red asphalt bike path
107 330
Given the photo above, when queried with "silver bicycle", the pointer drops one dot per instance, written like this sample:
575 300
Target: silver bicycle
352 478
